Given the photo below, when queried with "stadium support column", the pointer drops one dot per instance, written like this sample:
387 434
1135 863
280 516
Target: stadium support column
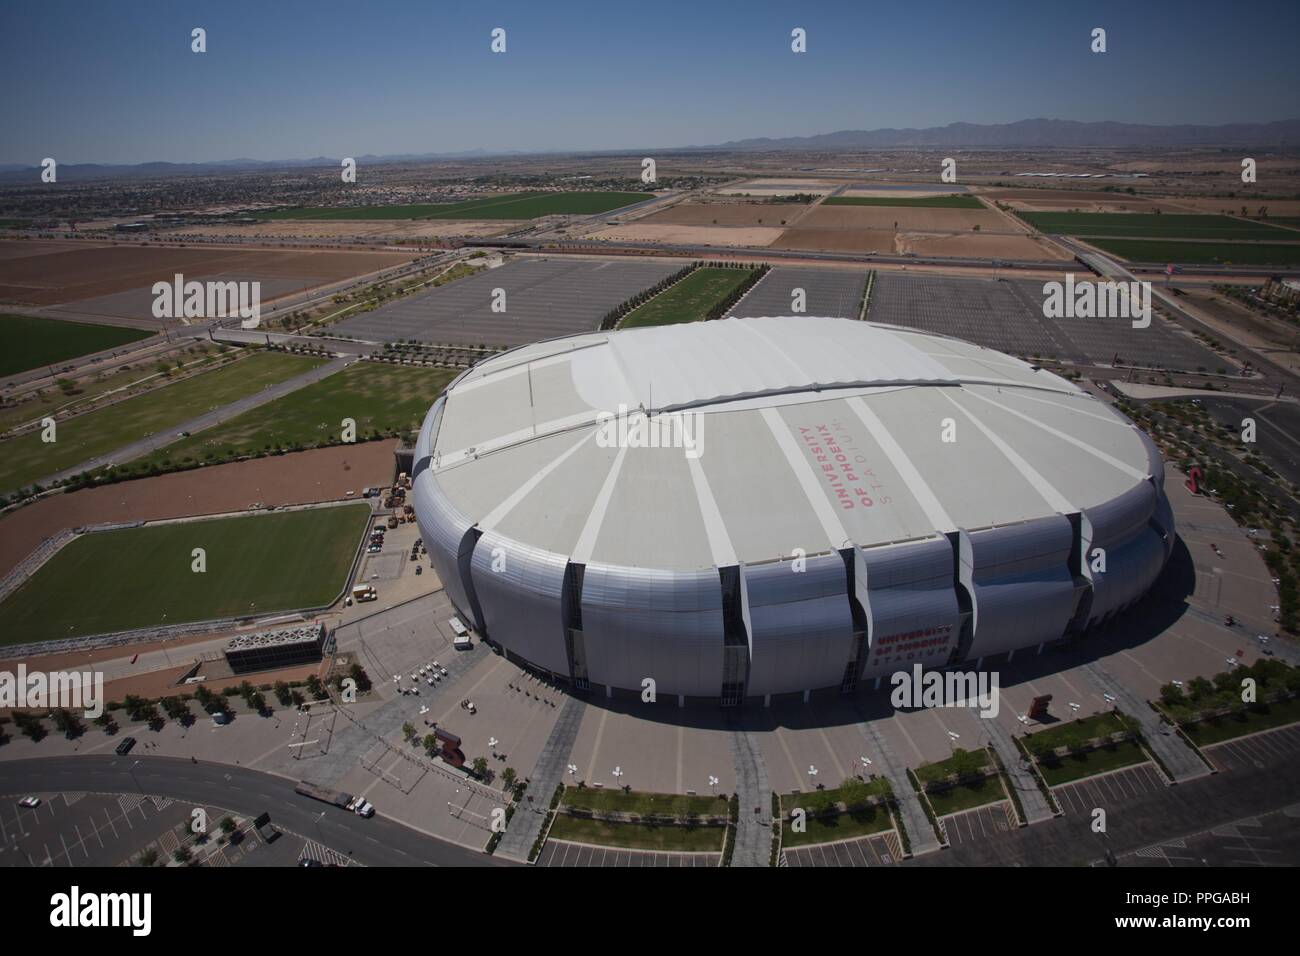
963 582
736 649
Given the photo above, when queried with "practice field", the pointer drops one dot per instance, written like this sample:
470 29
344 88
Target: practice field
512 206
27 343
1202 253
689 300
143 577
27 458
927 202
379 398
1154 225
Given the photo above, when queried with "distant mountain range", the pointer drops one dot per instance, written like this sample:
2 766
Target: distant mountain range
1031 133
1041 133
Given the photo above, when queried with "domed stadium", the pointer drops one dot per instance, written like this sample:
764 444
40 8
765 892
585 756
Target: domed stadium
747 508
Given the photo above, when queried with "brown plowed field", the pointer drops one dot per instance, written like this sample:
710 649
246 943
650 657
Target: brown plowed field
323 474
727 214
59 272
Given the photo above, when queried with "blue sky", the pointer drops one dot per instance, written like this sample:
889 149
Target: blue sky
97 81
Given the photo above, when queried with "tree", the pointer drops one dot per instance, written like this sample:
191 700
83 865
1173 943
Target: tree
408 732
282 693
508 778
480 766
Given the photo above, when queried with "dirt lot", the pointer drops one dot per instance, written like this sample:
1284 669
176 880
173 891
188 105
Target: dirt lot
58 272
727 214
779 187
981 245
838 240
371 228
691 235
909 219
320 475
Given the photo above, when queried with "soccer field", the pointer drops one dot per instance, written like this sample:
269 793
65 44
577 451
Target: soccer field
512 206
143 577
27 342
27 458
379 398
689 300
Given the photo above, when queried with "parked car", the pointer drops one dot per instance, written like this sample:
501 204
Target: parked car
125 746
30 802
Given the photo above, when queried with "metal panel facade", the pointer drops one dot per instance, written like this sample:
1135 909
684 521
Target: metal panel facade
801 626
907 593
665 625
443 529
519 589
1024 591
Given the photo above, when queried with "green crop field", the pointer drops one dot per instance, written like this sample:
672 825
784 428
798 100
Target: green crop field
512 206
141 577
687 301
925 202
27 343
26 459
379 398
1202 253
1151 225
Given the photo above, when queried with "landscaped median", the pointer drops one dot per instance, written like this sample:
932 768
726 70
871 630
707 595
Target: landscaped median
668 822
856 808
966 780
1212 710
1084 748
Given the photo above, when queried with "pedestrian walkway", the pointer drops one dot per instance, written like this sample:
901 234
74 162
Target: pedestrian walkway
526 824
1032 799
754 795
919 831
1180 761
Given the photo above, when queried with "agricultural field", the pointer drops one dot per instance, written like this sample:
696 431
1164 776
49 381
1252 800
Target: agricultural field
140 577
512 206
726 214
27 459
1153 225
28 343
379 398
924 202
1202 253
689 300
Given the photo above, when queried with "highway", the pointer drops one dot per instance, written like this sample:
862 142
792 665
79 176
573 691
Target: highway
374 842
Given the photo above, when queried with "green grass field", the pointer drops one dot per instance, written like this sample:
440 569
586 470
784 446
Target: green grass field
27 343
687 301
1150 225
645 804
379 398
26 459
638 836
925 202
965 796
840 826
1197 253
140 577
1259 717
513 206
1058 770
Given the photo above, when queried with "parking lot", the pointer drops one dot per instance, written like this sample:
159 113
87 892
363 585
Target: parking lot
879 849
1270 839
979 824
544 298
1108 790
563 853
1008 316
1257 751
833 292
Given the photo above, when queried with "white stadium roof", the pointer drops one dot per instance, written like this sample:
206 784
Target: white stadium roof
815 434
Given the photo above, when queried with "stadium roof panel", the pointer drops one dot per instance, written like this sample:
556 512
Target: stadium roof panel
809 433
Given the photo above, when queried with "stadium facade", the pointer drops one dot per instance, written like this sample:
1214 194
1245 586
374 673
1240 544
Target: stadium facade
748 508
